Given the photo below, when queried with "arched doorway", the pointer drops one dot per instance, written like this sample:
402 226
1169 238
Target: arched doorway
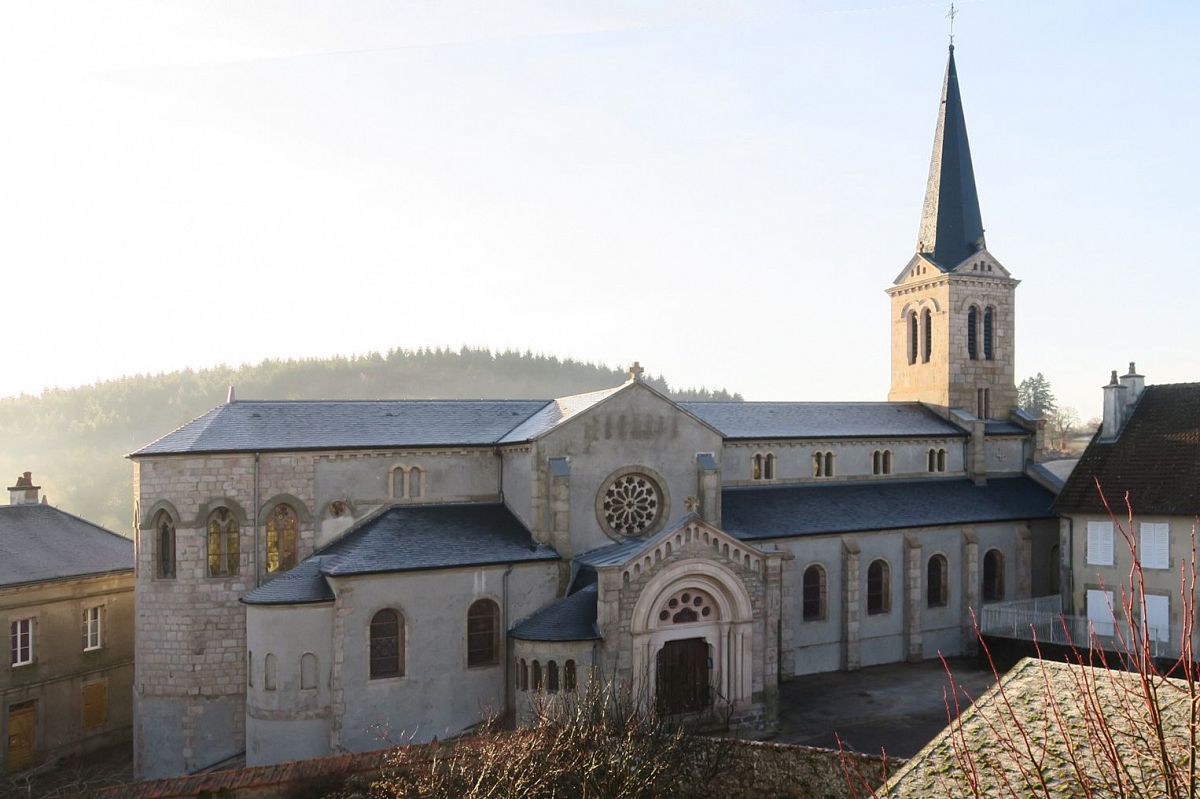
682 677
693 630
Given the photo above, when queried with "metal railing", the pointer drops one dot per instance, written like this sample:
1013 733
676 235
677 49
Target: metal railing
1042 619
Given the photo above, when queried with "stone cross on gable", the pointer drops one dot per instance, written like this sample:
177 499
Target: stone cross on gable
635 371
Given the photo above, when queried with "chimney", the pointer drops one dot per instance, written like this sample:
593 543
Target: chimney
1134 383
24 492
229 397
1114 408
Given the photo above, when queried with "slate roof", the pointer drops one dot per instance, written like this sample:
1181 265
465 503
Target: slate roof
951 224
272 426
40 542
409 538
992 427
555 413
572 618
790 511
822 419
1155 457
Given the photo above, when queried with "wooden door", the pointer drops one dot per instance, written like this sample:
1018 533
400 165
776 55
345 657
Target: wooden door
682 684
22 727
95 705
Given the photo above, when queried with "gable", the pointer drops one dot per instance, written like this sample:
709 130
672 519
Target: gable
917 270
633 413
981 264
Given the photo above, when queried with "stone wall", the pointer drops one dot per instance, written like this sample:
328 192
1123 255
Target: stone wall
718 767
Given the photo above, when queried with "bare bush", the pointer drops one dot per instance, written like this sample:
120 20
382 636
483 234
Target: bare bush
1110 720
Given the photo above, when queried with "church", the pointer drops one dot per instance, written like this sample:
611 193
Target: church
323 576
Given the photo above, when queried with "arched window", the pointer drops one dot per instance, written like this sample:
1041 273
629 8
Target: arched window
933 460
887 461
972 336
927 325
569 676
281 538
552 677
1054 568
537 676
769 466
941 460
756 471
912 337
814 593
879 599
308 671
223 557
416 483
399 490
164 546
989 342
269 672
387 645
993 576
249 668
818 464
937 584
483 633
522 675
829 464
876 462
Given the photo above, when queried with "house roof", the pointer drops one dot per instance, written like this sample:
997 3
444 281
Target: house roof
789 511
572 618
1155 458
266 426
822 419
991 741
408 538
951 224
40 542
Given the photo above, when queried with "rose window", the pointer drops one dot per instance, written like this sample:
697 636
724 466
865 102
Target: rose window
688 606
631 504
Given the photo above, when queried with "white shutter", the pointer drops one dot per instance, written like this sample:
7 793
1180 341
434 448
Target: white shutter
1100 610
1100 543
1158 617
1155 546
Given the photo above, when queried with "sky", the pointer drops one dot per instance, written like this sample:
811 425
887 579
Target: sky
721 190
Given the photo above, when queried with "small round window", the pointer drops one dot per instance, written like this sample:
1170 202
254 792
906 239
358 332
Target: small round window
631 504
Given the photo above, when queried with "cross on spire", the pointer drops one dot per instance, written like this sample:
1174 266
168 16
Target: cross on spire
951 14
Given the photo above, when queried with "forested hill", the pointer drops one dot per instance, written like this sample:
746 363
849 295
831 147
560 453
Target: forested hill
75 440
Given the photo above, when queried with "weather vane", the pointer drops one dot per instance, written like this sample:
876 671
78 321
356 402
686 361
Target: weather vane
951 15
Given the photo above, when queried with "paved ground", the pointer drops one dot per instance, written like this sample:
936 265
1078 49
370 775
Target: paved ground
899 707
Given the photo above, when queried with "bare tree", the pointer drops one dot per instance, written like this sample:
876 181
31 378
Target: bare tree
1126 726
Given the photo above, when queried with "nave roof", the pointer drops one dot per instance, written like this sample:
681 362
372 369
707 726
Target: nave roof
408 538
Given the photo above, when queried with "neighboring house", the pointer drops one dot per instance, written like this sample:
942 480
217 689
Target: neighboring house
1149 449
66 600
1049 728
315 576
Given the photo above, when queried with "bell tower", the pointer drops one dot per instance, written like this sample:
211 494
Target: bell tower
952 305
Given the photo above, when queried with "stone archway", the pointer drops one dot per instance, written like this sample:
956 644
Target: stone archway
717 621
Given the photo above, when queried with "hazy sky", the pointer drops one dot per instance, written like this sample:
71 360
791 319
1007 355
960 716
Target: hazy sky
722 190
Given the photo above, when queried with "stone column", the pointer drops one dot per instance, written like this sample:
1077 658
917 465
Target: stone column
977 454
913 647
558 521
970 589
851 609
1024 562
708 476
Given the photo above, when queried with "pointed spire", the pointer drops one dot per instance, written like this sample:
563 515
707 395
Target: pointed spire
951 226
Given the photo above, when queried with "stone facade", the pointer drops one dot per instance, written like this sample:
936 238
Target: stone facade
950 377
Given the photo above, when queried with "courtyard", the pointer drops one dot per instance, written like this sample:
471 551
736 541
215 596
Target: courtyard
899 707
